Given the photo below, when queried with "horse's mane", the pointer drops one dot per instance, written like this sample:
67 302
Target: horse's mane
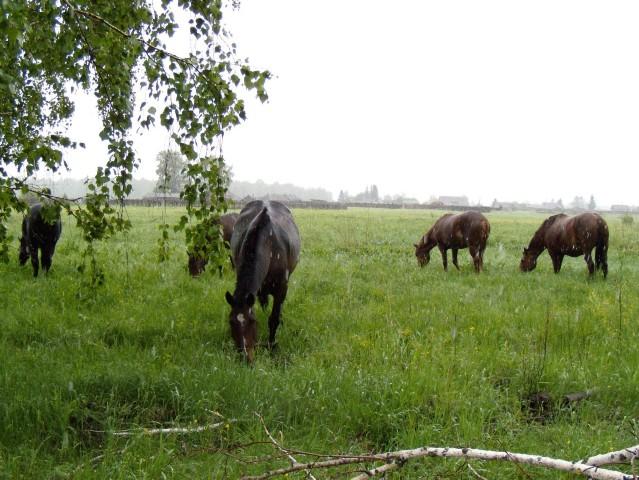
537 240
247 273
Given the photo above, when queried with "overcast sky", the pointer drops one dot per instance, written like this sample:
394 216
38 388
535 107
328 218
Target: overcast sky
490 99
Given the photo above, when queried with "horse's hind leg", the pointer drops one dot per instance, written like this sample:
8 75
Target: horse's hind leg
601 259
47 257
455 258
589 262
33 250
481 257
475 255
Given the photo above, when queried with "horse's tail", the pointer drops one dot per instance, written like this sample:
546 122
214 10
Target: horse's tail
601 249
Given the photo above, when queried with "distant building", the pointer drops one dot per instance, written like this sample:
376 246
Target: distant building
511 206
552 206
454 201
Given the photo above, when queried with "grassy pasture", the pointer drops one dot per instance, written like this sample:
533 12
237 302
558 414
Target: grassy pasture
374 354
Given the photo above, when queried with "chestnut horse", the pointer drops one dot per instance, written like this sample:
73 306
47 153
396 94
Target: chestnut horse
463 230
572 236
197 264
265 247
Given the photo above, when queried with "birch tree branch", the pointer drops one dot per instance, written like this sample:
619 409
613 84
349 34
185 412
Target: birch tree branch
387 467
626 455
401 456
159 431
282 449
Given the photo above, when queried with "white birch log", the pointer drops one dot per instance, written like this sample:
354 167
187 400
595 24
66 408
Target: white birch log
620 456
401 456
159 431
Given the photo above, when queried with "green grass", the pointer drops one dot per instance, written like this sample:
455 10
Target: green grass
374 353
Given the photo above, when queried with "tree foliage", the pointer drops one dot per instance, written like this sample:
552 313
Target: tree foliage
170 171
115 48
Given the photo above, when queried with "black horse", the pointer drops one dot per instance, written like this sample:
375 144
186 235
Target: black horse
39 233
265 247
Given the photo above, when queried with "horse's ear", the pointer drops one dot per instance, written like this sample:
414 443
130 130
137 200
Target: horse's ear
250 299
229 298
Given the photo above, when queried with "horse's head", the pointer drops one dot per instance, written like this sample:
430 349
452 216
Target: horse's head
422 254
196 265
243 324
528 261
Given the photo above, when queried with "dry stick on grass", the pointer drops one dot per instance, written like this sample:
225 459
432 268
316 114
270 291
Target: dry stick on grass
282 449
379 470
401 456
627 455
159 431
475 472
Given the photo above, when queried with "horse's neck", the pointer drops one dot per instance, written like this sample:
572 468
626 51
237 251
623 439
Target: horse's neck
538 244
255 262
429 241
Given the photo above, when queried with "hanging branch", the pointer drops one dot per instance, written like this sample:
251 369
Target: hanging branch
395 460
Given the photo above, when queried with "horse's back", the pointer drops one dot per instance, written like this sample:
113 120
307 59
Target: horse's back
462 229
39 229
280 221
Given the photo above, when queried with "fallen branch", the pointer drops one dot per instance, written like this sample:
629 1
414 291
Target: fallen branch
160 431
627 455
396 459
475 472
576 397
378 470
282 449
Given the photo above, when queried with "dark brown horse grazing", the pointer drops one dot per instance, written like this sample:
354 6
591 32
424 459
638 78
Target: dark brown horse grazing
265 247
572 236
39 233
463 230
198 264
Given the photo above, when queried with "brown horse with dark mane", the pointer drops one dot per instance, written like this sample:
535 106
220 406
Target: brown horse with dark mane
573 236
454 231
265 247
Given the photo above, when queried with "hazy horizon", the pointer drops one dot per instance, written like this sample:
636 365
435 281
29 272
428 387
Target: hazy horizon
519 102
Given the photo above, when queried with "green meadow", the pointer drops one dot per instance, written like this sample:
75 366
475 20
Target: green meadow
374 354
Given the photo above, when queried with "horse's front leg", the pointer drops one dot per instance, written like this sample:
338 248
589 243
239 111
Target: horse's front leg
274 318
455 258
557 259
444 253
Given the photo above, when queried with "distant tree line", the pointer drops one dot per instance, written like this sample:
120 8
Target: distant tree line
171 179
371 195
